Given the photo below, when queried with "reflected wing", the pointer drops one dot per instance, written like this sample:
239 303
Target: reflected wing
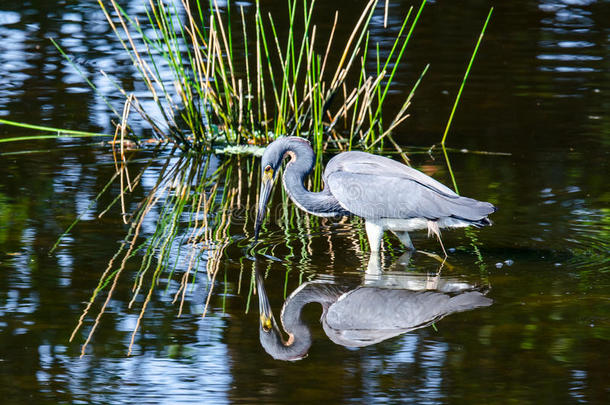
369 315
372 186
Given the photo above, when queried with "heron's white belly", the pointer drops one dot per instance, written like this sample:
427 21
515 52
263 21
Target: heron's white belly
395 224
413 224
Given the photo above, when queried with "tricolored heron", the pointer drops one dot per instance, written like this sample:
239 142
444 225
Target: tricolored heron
387 194
358 316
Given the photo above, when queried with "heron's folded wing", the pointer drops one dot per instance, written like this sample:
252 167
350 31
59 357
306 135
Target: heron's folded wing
371 196
375 165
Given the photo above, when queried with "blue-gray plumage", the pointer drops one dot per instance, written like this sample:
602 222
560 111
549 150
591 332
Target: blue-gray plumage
386 193
355 317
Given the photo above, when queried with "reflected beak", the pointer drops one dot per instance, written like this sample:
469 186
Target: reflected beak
266 317
266 186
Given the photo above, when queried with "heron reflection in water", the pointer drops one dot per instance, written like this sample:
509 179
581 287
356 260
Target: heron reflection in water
360 316
386 193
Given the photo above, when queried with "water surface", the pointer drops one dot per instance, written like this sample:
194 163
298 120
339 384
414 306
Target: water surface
539 91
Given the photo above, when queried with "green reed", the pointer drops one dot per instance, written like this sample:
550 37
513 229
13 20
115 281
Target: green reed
457 98
54 132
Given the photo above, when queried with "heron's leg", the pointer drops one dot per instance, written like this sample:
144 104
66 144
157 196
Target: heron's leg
374 232
405 239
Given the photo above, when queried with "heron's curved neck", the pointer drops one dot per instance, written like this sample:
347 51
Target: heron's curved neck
300 165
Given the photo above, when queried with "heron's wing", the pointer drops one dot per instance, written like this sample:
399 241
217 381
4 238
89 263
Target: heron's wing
372 186
369 315
375 165
381 196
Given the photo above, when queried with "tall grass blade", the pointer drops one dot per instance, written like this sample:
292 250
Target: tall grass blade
459 94
457 99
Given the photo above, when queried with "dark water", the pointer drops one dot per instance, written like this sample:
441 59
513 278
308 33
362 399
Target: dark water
539 90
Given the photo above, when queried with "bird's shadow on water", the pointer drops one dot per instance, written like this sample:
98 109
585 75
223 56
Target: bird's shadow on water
385 303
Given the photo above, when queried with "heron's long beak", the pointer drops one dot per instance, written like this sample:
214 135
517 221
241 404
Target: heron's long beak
266 186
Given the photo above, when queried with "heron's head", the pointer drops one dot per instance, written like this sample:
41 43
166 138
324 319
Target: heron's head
271 162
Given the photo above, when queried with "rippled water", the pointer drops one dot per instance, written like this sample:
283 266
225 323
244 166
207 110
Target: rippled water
539 90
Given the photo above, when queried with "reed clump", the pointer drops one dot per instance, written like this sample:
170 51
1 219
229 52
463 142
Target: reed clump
235 81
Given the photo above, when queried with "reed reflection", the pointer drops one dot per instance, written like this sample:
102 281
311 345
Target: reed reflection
382 307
